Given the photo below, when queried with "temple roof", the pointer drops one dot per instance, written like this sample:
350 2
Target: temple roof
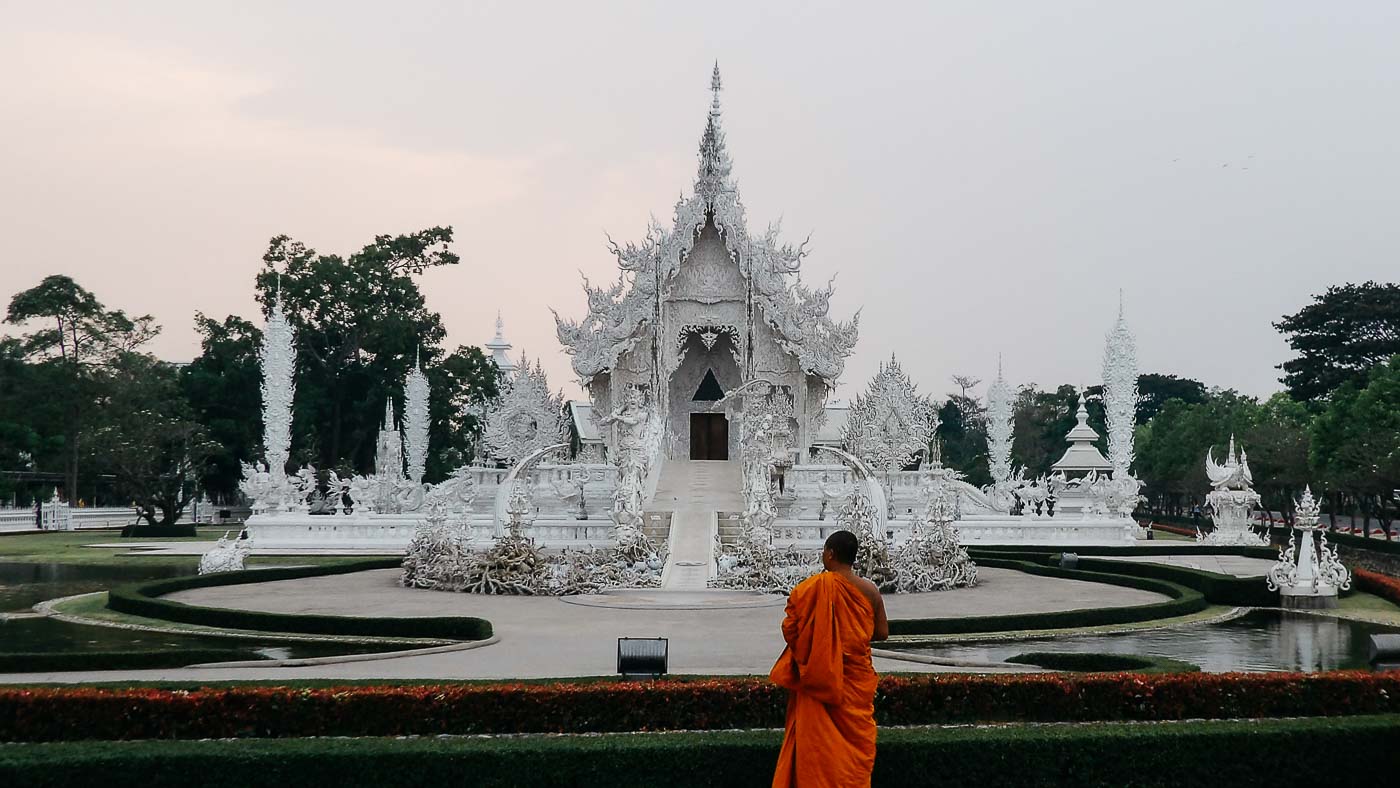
617 314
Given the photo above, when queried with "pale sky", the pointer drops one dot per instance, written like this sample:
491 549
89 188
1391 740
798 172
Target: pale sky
984 177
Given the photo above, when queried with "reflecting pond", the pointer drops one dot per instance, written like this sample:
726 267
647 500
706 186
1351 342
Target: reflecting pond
1261 640
47 635
25 584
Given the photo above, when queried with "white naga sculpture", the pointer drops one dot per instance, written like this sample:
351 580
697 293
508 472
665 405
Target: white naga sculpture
891 425
1231 500
525 417
225 556
265 484
1308 573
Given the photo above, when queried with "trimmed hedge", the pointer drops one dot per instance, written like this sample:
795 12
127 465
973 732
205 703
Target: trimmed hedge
43 662
143 600
1184 601
1377 543
1103 663
1266 553
1218 589
146 530
65 713
1357 751
1383 586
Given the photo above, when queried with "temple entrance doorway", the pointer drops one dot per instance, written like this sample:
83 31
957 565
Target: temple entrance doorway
709 436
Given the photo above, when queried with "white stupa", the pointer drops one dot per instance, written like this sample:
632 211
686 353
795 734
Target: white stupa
500 348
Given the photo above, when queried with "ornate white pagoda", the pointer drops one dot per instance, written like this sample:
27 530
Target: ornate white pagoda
1308 573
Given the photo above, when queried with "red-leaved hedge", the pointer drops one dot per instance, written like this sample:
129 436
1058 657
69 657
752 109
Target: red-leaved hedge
1383 586
55 714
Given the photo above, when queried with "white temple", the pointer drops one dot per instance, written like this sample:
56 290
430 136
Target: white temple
709 358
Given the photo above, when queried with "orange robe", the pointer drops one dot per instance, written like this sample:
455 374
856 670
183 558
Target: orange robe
830 735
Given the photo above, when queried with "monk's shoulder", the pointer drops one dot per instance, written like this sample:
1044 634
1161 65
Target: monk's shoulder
869 589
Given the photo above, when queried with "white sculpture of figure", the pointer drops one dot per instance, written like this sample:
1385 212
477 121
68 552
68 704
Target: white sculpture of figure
1000 423
225 556
634 427
525 417
1231 500
1308 574
415 422
933 557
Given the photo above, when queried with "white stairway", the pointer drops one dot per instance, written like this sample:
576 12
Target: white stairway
694 491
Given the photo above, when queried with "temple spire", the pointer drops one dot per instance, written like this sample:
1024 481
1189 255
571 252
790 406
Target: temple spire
713 177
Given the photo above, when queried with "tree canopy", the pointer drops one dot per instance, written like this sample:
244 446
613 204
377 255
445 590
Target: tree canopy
1339 337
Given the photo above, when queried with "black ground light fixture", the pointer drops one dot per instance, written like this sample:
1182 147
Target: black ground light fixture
639 657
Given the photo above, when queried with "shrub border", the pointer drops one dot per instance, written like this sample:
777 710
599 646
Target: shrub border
69 714
1183 601
43 662
142 599
1236 752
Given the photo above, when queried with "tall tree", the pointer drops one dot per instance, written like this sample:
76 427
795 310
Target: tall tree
76 336
962 431
1342 334
1356 442
1155 390
221 385
148 438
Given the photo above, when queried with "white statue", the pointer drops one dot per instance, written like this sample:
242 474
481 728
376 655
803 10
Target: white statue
1231 500
1308 573
225 556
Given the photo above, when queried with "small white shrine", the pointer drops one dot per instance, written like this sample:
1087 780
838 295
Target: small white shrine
1308 574
1232 500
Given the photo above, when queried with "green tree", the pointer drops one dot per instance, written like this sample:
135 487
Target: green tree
1342 334
222 386
1356 444
148 437
1041 419
75 336
1171 448
1155 390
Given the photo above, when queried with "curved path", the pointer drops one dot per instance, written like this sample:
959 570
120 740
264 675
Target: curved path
549 637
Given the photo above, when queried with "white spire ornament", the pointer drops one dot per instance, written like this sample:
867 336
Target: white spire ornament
1000 426
415 421
266 485
1308 575
1120 401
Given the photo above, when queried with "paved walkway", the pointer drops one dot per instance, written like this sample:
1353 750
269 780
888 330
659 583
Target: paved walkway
1239 566
695 491
550 637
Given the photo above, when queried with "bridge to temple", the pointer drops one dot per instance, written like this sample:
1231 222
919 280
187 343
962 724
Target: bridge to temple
694 492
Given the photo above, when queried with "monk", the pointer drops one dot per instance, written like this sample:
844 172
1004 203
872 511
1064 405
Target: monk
831 619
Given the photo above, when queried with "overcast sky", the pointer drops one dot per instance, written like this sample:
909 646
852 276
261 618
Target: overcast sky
984 177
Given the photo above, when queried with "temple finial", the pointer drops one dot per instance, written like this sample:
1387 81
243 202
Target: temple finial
1120 303
715 87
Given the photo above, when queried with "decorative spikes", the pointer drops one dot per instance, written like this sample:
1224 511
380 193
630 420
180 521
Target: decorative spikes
713 177
1120 393
277 357
999 428
891 423
415 420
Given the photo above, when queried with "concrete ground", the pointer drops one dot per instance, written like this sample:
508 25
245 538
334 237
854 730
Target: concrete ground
1238 566
552 637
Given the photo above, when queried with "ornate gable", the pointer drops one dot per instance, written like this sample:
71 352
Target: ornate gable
618 314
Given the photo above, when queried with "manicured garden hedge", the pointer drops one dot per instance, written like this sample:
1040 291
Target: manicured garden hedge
1377 543
1165 548
143 600
1103 663
1383 586
1184 601
43 662
59 714
1242 753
